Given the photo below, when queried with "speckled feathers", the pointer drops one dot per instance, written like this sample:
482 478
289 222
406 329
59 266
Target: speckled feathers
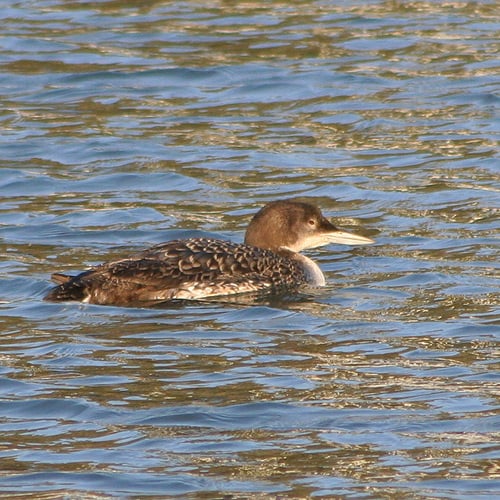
182 269
198 268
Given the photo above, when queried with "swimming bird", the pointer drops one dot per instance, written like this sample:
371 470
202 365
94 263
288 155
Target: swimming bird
269 261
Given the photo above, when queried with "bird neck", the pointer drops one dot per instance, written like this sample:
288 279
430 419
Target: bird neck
314 275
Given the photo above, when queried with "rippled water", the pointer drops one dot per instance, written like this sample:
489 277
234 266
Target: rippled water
130 123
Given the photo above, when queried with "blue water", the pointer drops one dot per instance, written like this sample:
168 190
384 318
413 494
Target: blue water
128 124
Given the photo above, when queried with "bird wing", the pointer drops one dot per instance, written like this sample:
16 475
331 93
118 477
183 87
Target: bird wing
179 269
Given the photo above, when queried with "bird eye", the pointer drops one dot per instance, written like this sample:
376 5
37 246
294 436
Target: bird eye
312 222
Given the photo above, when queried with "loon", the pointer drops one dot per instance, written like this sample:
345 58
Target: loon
269 261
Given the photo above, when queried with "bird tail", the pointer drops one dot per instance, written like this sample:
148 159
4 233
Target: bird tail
60 278
69 288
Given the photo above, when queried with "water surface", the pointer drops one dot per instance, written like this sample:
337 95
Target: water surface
126 124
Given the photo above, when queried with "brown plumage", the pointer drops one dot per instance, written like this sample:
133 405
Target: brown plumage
197 268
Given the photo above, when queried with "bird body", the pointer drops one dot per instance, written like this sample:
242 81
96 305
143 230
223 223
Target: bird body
268 262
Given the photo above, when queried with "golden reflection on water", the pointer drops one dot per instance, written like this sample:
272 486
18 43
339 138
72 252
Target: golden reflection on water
130 123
